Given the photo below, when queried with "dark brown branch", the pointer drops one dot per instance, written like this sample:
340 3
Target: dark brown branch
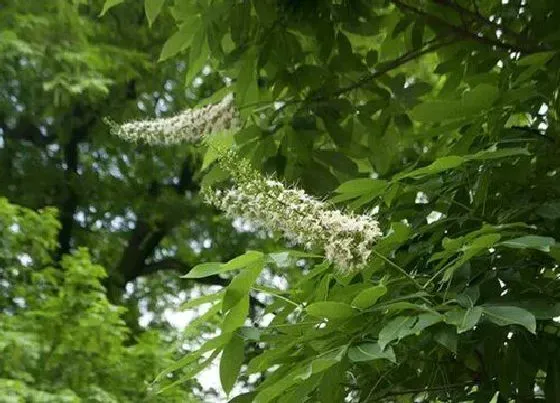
27 131
147 235
535 132
421 390
392 65
165 264
384 68
463 32
477 17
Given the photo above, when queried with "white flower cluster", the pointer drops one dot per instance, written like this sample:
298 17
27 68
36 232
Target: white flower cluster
188 126
347 239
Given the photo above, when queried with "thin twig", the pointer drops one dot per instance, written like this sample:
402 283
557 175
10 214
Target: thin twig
476 15
400 269
430 389
385 67
533 131
267 291
392 65
476 37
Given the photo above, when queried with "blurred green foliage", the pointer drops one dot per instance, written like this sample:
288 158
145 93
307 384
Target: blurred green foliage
61 340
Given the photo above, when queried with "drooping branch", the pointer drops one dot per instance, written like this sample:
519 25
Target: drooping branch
381 70
463 31
485 23
25 130
386 67
442 388
147 235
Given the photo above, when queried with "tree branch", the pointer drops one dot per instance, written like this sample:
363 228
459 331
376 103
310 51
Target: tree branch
25 130
420 390
146 237
535 132
392 65
463 32
475 15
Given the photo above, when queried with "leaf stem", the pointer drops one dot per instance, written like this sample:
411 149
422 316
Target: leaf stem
399 268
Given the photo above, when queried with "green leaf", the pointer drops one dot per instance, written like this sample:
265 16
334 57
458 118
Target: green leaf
244 398
289 257
152 9
231 361
439 165
216 174
538 59
217 143
204 270
108 5
202 300
299 374
464 319
479 99
198 55
190 372
203 320
269 393
510 315
212 268
370 352
249 333
265 12
550 210
213 344
365 189
249 258
235 317
470 250
472 103
361 186
447 337
530 242
425 320
403 326
330 310
247 87
494 153
269 358
436 111
535 62
397 328
555 252
252 263
325 361
181 39
302 390
332 386
369 297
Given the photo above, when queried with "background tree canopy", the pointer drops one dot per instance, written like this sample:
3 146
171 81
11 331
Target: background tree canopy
439 116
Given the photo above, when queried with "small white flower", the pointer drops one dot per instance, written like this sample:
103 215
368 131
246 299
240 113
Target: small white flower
188 126
347 239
